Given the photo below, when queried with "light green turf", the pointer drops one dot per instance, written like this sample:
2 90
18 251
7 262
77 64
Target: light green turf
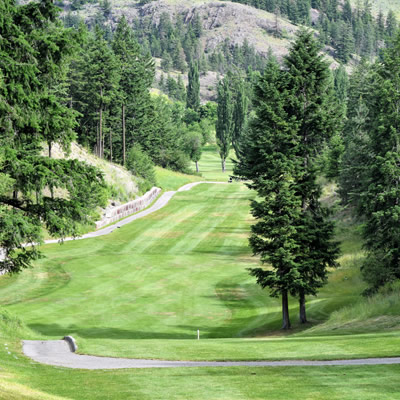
21 379
210 166
170 180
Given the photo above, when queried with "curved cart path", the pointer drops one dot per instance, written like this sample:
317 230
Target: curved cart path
161 202
58 353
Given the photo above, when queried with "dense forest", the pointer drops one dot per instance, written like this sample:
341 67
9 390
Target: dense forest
349 30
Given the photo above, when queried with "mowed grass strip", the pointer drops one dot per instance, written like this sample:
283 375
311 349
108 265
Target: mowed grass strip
162 277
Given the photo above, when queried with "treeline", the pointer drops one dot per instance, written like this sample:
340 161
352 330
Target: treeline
58 85
368 155
349 30
109 85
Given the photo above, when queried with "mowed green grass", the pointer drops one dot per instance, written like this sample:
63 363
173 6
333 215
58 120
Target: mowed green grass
144 290
148 286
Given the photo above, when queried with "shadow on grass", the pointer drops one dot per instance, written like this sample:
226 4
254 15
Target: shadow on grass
105 333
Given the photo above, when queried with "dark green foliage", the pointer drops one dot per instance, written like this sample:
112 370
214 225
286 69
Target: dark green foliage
140 164
381 193
33 51
136 77
224 124
352 177
295 116
193 88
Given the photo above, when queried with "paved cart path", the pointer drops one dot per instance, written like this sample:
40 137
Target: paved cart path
58 353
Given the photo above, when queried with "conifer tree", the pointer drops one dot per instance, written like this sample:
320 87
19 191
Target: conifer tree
270 163
136 71
193 88
100 88
381 193
224 124
313 105
295 116
33 50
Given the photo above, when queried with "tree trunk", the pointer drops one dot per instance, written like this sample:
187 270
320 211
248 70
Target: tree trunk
111 148
197 166
123 135
285 311
101 124
49 149
97 147
302 304
223 165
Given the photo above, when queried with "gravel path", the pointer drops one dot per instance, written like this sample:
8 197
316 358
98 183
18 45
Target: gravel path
57 353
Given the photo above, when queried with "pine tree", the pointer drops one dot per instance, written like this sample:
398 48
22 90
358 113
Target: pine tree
353 169
313 105
137 72
101 88
391 24
270 163
193 88
33 51
381 193
295 116
224 124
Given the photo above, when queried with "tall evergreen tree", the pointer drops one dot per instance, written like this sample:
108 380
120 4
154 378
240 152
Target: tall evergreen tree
224 124
270 163
99 88
193 88
318 116
137 72
295 115
381 194
33 50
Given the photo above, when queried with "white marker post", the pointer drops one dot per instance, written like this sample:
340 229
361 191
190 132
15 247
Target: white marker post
198 334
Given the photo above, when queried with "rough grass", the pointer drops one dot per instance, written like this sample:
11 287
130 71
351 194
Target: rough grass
170 180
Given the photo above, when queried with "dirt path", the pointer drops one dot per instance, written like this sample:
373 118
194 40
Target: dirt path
57 353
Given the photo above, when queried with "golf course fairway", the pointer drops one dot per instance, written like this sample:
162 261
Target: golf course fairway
144 291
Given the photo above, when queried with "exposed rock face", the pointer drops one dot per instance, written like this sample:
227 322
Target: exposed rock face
221 20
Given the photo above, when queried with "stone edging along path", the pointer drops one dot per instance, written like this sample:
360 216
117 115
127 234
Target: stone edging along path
58 353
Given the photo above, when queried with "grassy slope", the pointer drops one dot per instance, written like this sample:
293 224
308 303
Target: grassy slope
144 292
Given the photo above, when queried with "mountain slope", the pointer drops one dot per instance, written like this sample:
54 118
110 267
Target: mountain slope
221 20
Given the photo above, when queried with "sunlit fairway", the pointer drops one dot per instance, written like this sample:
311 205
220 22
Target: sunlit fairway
146 289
